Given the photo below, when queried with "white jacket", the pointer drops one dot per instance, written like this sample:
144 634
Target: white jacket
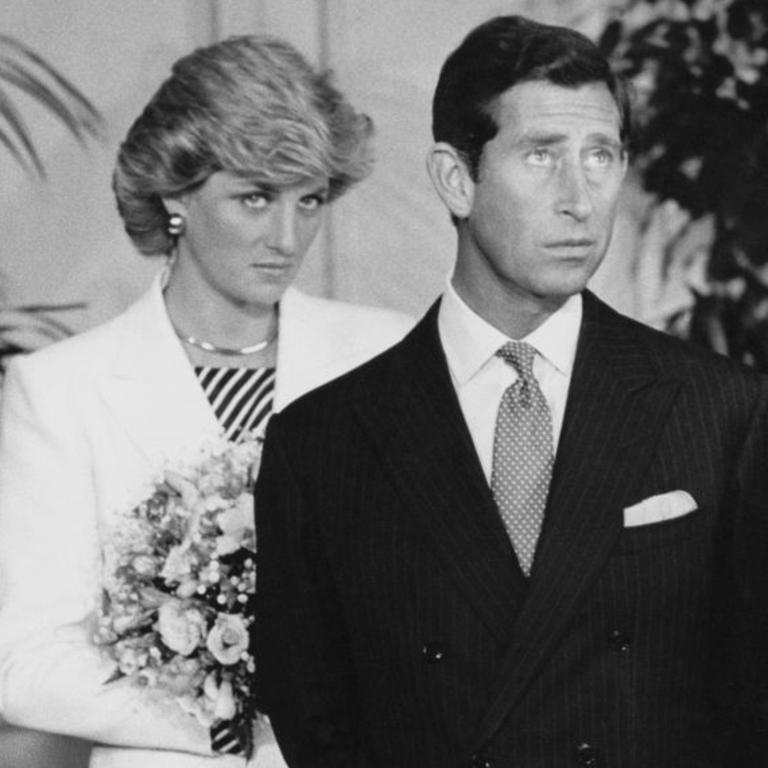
85 426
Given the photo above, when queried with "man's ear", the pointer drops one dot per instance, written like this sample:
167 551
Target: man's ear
451 179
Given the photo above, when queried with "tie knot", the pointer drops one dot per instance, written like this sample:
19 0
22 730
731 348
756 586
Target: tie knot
520 356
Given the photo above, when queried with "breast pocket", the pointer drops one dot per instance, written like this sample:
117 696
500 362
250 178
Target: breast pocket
664 533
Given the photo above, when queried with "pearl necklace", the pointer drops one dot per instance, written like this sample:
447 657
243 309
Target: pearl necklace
207 346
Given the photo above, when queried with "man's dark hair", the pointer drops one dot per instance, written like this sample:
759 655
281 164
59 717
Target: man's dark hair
503 52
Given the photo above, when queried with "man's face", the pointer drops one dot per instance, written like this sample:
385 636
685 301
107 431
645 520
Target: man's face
544 202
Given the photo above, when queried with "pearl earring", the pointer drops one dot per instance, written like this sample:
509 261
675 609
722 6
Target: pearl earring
175 225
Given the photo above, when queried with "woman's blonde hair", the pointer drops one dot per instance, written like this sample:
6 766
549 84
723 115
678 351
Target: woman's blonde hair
250 105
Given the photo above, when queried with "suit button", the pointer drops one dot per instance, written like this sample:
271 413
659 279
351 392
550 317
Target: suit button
480 761
586 754
433 653
619 641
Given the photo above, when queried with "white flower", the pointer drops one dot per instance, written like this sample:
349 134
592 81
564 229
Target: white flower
181 629
144 565
180 675
222 696
187 588
226 545
130 660
237 517
228 639
186 489
177 565
225 702
236 524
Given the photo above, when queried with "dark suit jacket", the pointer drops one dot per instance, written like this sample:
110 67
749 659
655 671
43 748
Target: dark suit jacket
396 629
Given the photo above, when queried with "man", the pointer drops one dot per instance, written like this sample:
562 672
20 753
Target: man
534 532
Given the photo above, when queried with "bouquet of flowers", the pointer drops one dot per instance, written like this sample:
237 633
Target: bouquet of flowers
179 601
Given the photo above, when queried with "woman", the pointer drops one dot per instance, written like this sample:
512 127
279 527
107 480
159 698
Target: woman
228 172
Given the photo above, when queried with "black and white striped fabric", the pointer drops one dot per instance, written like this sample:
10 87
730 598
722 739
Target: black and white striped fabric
241 398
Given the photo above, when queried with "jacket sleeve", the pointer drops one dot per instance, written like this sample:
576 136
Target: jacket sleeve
305 677
52 677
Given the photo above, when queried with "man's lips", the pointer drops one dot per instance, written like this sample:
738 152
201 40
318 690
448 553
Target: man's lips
273 266
570 242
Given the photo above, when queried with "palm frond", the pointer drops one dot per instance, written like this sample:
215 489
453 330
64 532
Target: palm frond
37 316
18 129
28 327
24 69
9 144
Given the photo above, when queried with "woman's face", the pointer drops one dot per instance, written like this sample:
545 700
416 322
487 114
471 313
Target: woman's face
245 241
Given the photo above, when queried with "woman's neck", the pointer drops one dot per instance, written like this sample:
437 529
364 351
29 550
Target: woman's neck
212 318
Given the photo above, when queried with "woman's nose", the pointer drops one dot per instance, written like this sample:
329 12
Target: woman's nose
282 229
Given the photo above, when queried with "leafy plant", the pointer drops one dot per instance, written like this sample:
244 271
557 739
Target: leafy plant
30 325
22 70
700 75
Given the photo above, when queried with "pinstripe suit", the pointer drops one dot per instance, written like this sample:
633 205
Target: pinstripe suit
397 630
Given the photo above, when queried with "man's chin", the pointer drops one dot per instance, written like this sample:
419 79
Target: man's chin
559 291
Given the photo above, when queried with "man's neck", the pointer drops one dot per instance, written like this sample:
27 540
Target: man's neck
516 316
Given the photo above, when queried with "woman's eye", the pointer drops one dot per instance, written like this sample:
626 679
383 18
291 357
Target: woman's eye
255 200
312 202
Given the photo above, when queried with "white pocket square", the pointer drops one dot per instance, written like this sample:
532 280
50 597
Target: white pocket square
655 509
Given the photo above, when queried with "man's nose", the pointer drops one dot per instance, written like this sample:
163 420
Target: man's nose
574 195
282 229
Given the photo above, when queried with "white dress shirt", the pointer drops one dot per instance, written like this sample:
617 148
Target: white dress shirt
480 377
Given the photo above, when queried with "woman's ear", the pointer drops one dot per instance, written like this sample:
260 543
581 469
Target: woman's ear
451 179
175 205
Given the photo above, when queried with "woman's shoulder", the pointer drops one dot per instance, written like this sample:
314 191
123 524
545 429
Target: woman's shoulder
85 353
346 317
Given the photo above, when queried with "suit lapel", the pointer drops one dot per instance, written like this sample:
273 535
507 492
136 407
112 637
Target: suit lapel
150 389
617 406
305 348
426 449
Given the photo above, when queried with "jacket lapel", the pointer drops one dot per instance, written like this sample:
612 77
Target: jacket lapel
425 448
305 348
617 406
149 386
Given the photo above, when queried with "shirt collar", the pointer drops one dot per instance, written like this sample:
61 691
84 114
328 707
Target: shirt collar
470 341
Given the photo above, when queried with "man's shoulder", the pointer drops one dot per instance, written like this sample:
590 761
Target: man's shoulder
682 358
367 385
362 382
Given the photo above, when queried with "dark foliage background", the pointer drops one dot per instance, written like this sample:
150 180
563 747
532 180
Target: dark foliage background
700 74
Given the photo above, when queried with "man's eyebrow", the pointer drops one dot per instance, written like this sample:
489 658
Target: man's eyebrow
549 138
605 139
541 137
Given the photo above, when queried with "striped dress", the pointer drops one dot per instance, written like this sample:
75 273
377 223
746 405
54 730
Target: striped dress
241 398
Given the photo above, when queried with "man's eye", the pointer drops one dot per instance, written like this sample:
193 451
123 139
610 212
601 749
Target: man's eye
600 158
540 156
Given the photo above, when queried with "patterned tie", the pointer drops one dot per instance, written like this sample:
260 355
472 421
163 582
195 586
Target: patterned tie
522 454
